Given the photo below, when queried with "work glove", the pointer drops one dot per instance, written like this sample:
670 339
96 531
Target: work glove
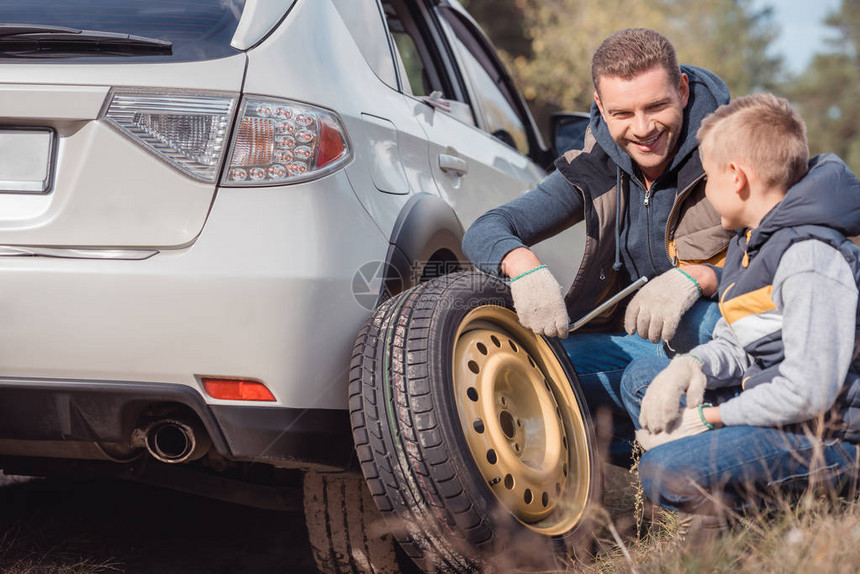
539 303
692 422
661 404
654 313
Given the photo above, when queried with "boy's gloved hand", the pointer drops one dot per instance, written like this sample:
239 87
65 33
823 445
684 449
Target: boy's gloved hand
656 310
691 423
661 404
539 303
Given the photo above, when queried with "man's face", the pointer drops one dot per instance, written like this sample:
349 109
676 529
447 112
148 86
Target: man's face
722 190
645 115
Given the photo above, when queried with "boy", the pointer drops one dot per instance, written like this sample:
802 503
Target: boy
784 348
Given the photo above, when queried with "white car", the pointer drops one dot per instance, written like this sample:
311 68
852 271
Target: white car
202 202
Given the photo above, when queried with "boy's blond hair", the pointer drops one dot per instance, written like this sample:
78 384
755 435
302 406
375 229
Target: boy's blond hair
761 131
627 53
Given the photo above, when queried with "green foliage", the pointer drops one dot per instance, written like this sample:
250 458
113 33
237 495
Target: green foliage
547 45
826 92
553 66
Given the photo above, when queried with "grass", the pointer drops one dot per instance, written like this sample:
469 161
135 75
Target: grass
50 527
819 533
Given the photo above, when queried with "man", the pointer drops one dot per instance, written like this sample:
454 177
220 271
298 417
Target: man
639 187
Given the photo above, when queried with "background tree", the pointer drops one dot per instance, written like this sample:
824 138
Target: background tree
547 44
826 93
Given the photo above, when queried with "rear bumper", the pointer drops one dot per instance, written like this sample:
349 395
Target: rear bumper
108 412
267 292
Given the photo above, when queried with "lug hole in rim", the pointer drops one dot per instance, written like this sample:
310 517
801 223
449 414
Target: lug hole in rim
491 456
509 481
564 442
558 489
473 366
478 425
544 499
482 348
532 363
513 346
506 421
527 496
495 340
472 393
564 469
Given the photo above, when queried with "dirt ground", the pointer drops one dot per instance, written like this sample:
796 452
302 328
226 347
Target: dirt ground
54 526
65 526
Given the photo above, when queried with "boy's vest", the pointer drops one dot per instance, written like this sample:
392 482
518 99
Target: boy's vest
746 305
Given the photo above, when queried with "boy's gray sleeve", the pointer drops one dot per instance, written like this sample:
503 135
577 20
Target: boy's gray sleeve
723 356
814 289
550 208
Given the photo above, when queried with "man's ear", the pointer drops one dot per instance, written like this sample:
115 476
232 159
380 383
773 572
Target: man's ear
598 102
684 89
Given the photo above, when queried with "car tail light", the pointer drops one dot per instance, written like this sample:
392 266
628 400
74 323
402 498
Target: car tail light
237 389
280 142
187 131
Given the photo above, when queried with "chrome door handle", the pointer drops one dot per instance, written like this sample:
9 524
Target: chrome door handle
453 164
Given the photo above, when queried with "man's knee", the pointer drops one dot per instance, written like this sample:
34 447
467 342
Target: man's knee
696 326
637 376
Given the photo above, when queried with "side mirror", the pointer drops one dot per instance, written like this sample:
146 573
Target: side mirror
568 131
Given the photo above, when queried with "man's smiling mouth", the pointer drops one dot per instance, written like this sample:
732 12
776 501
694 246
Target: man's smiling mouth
648 145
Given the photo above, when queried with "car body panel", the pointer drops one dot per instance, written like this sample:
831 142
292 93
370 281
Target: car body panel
259 17
328 52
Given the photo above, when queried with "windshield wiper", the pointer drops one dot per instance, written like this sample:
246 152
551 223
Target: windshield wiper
29 39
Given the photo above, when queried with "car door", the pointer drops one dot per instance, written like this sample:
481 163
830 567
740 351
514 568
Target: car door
483 145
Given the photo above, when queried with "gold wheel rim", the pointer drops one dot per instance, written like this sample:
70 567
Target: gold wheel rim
521 420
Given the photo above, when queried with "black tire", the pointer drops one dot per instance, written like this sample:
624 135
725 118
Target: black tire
451 403
346 532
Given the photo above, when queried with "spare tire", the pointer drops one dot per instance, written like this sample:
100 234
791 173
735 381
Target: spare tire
472 431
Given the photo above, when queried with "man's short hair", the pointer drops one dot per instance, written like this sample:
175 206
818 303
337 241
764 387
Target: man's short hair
628 53
761 131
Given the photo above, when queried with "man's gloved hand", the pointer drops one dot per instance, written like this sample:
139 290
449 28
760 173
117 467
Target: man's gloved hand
661 404
539 303
654 313
691 423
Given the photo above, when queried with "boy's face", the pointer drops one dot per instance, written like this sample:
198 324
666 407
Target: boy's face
721 189
645 115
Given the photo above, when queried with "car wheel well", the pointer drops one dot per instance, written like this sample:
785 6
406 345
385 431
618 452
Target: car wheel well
442 262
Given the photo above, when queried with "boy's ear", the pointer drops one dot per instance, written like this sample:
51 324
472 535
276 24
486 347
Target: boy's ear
740 179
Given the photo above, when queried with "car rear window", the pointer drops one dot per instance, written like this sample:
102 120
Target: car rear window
198 29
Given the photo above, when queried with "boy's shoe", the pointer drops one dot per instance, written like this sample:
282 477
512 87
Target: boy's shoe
697 530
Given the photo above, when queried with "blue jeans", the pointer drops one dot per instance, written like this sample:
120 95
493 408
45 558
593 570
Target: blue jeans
639 374
600 359
737 466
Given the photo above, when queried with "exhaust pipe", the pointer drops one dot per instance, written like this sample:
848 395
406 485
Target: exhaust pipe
174 441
